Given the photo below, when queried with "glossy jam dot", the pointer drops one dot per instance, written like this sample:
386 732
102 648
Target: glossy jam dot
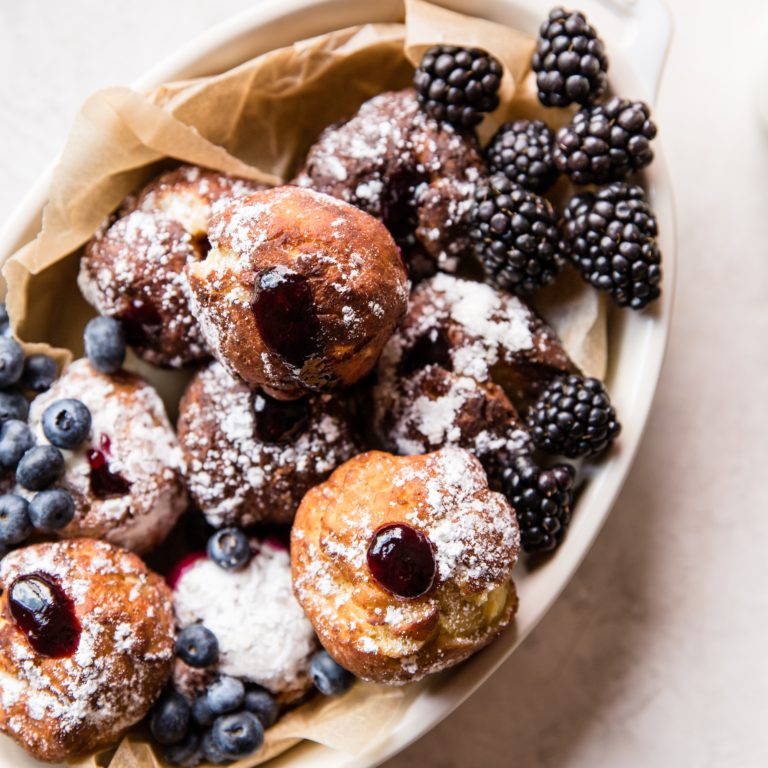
278 421
45 614
203 245
433 348
285 315
398 211
105 483
402 560
141 322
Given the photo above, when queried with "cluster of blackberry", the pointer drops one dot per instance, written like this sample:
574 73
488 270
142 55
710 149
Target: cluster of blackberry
603 143
609 233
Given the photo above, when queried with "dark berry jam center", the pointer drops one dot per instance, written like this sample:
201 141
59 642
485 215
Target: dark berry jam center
141 322
105 483
278 421
402 560
433 348
285 314
45 614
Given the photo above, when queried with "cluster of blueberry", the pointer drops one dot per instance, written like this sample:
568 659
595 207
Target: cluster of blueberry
227 721
66 425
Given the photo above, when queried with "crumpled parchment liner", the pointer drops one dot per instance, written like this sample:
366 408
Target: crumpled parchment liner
257 121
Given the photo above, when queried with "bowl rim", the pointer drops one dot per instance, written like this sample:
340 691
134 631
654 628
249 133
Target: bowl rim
642 65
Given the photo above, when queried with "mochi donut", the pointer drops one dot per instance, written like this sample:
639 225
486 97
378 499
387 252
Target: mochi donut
299 292
404 564
262 633
126 478
133 269
414 173
250 458
86 645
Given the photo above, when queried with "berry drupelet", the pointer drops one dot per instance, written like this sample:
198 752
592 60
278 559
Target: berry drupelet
457 85
605 143
611 238
574 417
569 60
515 236
522 151
541 499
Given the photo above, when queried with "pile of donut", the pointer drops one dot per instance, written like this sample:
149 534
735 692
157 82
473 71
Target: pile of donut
370 433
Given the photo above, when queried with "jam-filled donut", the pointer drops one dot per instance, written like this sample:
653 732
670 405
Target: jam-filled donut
404 564
250 458
126 478
463 362
415 174
299 292
133 269
86 645
262 633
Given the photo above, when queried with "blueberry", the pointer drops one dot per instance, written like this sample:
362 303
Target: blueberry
212 752
329 678
5 321
238 735
40 467
67 423
202 713
40 372
13 405
105 344
197 646
16 439
11 361
229 548
225 695
263 704
52 510
14 519
169 721
186 753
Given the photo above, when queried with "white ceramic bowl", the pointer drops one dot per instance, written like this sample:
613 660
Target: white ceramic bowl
637 33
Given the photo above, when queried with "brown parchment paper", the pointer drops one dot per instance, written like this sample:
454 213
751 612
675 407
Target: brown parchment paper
257 121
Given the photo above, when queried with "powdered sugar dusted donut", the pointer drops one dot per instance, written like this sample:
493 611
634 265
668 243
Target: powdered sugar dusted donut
133 270
432 407
299 292
126 478
417 175
479 332
404 564
86 664
262 632
250 458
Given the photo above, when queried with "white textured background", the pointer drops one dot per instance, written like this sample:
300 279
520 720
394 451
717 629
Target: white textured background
657 653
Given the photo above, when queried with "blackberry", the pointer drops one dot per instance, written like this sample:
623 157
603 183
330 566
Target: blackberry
611 237
456 85
515 236
569 60
541 499
606 142
574 417
522 151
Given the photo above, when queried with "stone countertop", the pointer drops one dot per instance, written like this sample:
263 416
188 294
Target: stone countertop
654 654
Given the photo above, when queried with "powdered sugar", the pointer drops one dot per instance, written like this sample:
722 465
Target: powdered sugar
263 634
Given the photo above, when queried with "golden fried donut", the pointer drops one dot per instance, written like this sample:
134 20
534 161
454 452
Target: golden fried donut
86 645
133 269
250 458
404 564
126 478
415 174
299 292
